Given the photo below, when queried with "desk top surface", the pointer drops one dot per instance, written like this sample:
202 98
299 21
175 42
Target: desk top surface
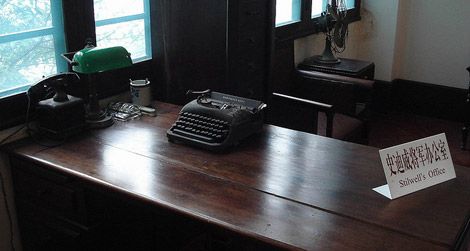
287 188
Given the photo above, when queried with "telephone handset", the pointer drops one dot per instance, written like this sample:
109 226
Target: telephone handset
59 115
53 84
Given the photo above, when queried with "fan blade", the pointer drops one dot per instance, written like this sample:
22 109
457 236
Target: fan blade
333 12
339 35
323 23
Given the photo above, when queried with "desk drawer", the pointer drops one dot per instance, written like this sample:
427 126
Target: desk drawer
48 190
45 193
45 232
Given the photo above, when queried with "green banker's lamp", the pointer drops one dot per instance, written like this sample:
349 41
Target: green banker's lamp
91 61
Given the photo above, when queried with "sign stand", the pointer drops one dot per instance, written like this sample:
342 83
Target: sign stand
415 165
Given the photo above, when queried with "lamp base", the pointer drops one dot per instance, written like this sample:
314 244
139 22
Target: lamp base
327 57
102 121
95 117
325 60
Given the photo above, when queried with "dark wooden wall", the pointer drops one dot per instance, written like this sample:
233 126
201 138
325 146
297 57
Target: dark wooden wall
204 44
190 47
419 98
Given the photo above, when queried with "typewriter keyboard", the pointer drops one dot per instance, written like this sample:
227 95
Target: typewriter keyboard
201 127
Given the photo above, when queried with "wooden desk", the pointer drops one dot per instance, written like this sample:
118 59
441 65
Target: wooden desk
283 188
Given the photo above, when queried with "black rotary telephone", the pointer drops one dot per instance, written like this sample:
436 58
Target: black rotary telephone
59 115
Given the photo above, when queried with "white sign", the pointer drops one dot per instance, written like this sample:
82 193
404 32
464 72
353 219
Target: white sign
416 165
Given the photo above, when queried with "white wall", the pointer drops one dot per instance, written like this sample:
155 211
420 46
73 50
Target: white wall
371 39
436 42
421 40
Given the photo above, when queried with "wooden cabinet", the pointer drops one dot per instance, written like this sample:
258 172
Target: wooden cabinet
52 210
249 41
347 67
190 47
217 45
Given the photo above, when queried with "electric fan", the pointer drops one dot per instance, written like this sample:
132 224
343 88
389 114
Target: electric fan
333 23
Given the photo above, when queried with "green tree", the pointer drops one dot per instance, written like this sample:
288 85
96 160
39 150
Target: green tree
26 42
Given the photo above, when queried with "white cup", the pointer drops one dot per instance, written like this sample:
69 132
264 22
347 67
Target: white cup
141 92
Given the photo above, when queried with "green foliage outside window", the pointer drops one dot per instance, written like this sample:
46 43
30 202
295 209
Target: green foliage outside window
31 36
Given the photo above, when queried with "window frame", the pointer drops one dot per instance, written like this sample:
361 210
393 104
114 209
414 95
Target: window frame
308 25
78 25
142 16
56 31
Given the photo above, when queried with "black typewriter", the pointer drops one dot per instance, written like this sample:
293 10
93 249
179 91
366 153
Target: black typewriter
215 121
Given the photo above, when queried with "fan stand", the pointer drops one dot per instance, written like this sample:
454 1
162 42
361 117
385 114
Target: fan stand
327 57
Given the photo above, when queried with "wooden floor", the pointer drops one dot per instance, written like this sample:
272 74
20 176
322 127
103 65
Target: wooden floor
396 128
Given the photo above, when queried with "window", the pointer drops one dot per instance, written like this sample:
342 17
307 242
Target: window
124 23
34 34
31 41
297 18
287 11
318 6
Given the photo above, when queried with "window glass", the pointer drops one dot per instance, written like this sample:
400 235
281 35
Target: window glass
124 23
131 35
20 16
350 4
31 41
105 9
287 11
318 6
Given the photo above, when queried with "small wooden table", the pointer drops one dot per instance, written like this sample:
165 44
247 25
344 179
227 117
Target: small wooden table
284 188
347 67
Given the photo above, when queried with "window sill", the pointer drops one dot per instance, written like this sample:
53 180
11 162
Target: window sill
141 59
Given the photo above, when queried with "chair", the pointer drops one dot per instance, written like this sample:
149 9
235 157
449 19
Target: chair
323 104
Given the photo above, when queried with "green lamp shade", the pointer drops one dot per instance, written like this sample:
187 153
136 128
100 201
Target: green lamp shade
99 59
